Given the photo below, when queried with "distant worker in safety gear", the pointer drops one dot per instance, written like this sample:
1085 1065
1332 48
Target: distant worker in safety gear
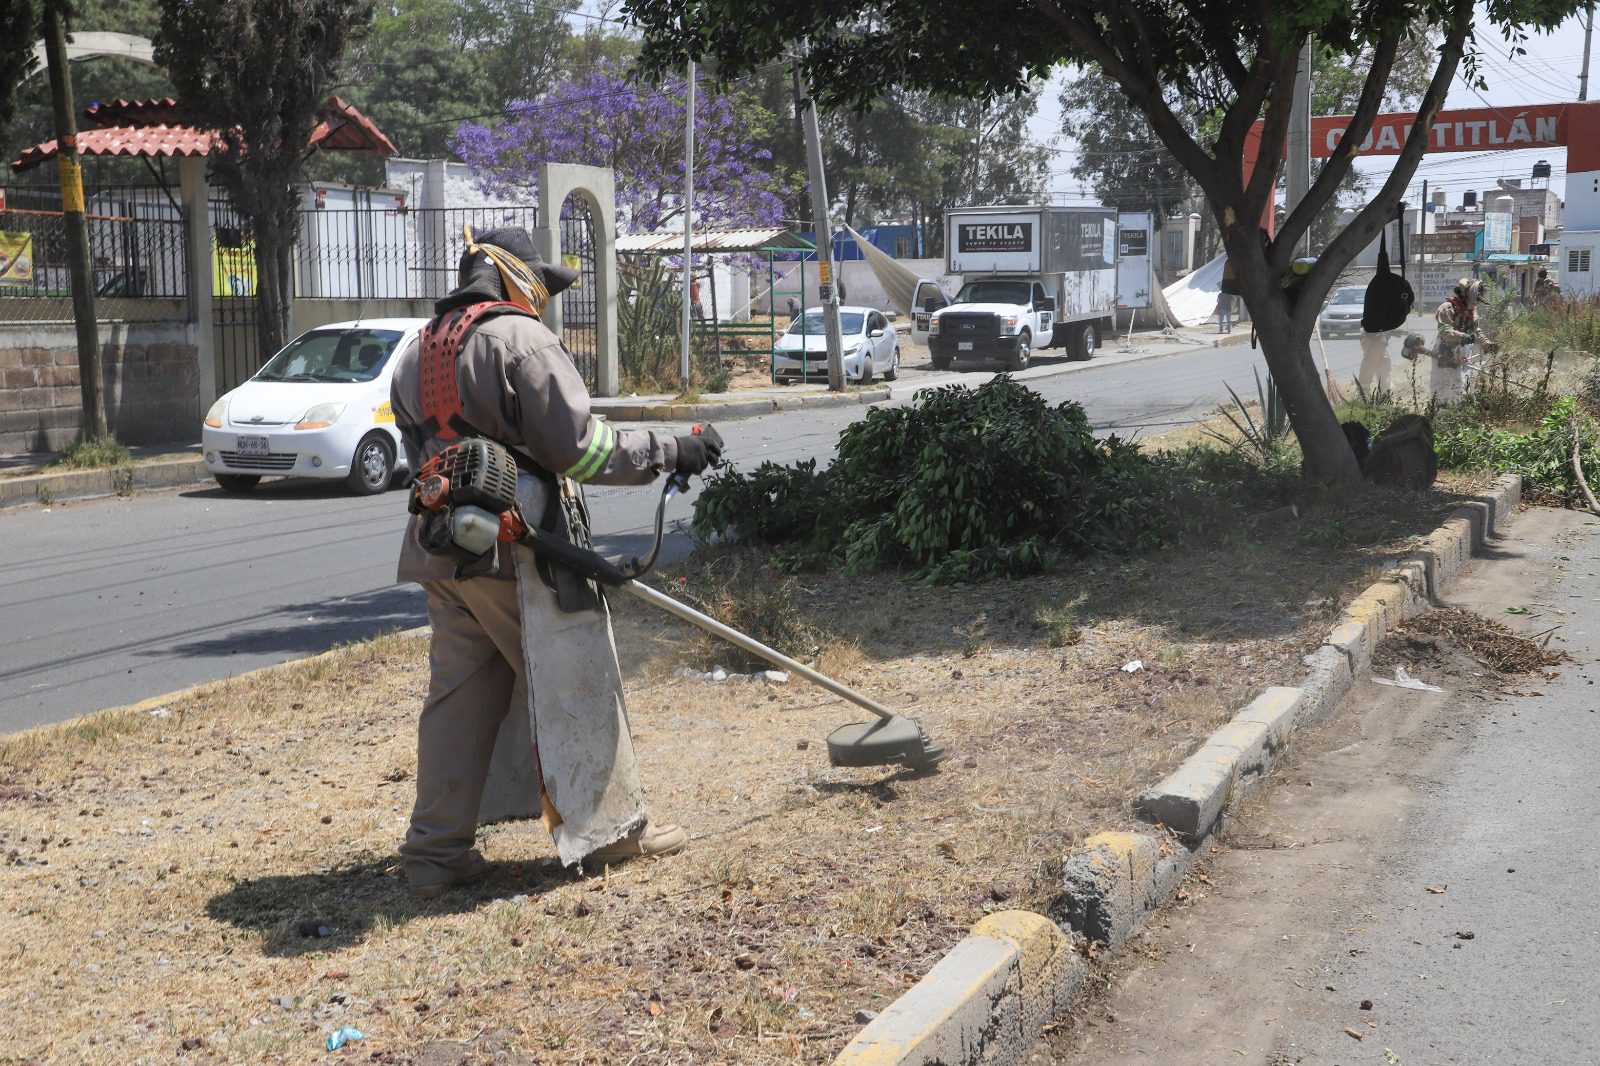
513 632
1373 377
1546 290
1458 330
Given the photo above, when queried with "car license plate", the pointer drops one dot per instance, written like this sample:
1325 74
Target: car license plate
963 346
252 446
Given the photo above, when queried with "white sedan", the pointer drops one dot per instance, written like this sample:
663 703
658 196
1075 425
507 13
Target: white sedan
319 408
870 347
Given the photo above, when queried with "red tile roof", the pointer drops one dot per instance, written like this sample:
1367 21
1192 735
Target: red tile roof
151 128
162 111
126 140
346 129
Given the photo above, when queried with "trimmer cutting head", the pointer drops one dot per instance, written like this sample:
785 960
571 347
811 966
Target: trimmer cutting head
894 741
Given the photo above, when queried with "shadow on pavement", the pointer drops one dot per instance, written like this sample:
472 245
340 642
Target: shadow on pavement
312 627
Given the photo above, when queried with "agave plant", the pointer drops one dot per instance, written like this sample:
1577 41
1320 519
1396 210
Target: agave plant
1266 437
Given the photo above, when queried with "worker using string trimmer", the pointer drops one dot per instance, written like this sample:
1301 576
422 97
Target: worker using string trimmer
1457 318
512 631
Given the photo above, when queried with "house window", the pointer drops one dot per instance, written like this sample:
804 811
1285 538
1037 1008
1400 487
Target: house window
1578 260
902 248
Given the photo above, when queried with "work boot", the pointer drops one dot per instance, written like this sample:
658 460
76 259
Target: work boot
652 838
468 870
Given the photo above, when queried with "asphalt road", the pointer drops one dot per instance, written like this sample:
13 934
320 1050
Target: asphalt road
109 602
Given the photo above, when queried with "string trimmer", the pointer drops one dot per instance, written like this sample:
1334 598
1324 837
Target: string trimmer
467 497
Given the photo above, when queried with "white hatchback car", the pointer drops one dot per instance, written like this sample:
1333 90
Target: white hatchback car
870 347
319 408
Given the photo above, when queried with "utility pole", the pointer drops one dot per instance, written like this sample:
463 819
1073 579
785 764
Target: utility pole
1300 141
688 222
1588 35
73 222
1422 223
824 232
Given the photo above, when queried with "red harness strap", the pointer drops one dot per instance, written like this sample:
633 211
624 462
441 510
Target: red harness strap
440 345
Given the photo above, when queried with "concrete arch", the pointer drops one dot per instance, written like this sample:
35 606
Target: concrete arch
596 187
98 45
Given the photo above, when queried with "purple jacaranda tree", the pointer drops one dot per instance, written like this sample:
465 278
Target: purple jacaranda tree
604 119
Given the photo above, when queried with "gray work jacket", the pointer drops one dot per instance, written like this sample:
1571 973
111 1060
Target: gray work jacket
520 387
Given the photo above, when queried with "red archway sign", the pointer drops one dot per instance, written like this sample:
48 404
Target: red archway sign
1574 126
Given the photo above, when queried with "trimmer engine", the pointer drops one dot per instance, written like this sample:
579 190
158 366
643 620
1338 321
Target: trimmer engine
464 495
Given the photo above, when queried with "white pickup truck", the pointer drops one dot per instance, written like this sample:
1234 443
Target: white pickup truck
1033 277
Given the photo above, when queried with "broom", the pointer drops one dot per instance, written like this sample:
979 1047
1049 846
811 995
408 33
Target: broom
1335 392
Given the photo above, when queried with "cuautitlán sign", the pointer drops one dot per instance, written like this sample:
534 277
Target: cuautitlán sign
1471 130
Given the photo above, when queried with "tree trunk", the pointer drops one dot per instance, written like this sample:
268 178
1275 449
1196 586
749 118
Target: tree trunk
272 291
1286 345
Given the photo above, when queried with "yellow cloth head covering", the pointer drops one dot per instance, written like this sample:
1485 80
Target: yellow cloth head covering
523 286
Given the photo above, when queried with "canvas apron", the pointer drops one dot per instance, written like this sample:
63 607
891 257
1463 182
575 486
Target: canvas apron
575 718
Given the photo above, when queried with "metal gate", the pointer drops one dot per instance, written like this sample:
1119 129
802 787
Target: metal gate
233 298
579 306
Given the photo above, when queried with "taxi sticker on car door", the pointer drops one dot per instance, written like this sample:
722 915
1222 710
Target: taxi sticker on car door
384 412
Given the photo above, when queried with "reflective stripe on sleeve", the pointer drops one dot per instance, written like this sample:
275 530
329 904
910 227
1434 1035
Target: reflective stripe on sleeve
593 460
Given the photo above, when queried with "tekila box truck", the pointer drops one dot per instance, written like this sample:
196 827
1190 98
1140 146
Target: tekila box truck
1032 277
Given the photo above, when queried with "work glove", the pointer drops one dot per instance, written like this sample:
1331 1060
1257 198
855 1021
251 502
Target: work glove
698 449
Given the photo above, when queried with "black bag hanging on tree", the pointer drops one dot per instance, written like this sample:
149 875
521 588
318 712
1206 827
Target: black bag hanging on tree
1389 295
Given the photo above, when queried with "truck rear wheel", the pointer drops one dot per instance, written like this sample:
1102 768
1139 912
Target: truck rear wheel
942 362
1082 341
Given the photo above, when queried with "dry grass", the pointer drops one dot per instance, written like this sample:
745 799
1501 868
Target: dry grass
167 871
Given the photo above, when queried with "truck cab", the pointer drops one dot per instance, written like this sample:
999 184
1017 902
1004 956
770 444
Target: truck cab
993 319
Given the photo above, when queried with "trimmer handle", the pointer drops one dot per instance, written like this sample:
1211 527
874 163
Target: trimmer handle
678 482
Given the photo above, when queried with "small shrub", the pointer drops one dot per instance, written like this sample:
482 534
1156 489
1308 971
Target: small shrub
1268 437
966 485
1543 455
94 454
735 591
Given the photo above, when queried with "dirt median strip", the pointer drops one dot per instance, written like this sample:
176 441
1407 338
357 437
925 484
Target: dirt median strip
1114 880
215 870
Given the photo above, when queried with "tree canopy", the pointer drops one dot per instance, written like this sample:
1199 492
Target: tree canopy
257 71
25 115
604 119
1239 58
423 66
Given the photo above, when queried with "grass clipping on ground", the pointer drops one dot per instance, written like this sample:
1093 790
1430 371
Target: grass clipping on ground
213 879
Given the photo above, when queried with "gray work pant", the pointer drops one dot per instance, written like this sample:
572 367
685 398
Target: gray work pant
475 662
466 738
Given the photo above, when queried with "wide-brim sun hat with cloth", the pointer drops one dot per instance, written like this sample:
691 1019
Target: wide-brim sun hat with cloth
529 280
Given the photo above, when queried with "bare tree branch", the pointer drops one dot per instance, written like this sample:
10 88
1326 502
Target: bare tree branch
1380 209
1145 93
1372 93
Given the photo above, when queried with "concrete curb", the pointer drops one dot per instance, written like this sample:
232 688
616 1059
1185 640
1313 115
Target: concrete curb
53 486
705 410
152 702
1190 800
984 1002
974 1007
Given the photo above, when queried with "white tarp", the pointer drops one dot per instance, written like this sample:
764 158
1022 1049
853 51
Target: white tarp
898 282
1192 299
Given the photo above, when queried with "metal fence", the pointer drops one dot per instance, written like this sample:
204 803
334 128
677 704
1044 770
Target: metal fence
579 308
137 251
401 254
